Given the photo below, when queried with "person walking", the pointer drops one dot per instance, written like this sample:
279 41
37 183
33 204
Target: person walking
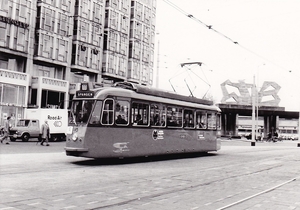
6 129
45 133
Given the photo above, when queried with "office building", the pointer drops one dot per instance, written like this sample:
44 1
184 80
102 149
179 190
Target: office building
47 47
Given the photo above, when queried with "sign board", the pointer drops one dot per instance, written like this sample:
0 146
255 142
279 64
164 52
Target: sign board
84 94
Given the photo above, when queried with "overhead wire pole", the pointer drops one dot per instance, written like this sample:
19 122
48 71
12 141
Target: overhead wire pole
253 112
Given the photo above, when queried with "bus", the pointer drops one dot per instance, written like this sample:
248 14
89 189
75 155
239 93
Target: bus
132 120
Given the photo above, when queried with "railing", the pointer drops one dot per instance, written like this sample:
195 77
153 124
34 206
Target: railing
13 75
50 81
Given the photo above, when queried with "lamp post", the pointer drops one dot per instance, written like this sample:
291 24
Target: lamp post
290 71
257 98
253 113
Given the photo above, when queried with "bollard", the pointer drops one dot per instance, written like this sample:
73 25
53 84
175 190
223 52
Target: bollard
252 143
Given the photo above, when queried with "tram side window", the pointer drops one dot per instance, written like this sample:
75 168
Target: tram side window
158 115
211 120
188 119
201 120
140 114
108 112
122 112
174 117
95 118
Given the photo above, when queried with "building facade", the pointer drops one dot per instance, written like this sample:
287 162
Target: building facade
47 47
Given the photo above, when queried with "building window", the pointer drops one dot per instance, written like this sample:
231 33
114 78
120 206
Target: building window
3 64
9 94
2 32
33 98
4 5
47 47
23 9
47 20
12 94
44 73
97 13
84 31
22 41
62 50
63 24
52 99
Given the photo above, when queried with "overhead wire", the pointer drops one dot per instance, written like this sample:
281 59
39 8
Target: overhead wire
210 27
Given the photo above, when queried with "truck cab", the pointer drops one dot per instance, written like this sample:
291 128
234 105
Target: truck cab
25 129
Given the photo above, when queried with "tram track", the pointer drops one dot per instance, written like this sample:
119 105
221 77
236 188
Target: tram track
78 165
258 194
195 176
199 185
191 187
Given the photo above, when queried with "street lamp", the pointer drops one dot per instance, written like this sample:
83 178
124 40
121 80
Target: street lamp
290 71
253 113
257 97
254 104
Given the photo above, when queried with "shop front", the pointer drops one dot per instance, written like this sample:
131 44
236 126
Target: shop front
13 95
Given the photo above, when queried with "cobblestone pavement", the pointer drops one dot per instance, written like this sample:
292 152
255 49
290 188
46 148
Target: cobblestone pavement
134 189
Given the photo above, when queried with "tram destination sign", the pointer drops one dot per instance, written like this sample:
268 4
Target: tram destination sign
84 94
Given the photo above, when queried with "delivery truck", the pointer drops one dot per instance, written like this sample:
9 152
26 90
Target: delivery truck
31 125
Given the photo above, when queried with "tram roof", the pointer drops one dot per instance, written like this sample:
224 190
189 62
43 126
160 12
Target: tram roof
126 89
161 93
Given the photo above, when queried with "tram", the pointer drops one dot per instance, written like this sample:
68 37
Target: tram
132 120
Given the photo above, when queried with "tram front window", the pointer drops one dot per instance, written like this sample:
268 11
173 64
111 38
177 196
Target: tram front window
81 111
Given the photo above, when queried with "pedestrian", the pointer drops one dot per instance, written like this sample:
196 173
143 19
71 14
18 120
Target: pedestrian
275 136
269 136
45 133
262 136
6 128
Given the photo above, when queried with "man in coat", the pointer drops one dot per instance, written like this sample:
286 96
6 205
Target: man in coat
45 133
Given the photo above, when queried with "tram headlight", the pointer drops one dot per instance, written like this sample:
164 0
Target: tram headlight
74 137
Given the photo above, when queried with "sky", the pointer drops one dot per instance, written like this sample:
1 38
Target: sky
268 49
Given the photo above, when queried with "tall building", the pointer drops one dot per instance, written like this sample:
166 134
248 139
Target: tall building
47 47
